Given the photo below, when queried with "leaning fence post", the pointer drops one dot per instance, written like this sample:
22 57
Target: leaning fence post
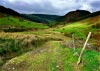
74 47
80 57
73 42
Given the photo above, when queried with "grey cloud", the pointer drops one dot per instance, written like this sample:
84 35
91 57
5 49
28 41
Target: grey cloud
57 7
95 5
1 2
46 7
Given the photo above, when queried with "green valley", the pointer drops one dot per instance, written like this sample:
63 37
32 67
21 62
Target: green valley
38 42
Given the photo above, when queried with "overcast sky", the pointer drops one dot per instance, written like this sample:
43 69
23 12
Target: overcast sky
55 7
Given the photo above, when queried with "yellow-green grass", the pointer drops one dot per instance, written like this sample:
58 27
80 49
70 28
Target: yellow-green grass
54 57
19 22
15 44
79 29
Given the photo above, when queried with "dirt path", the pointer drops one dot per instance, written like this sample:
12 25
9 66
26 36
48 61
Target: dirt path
52 56
46 58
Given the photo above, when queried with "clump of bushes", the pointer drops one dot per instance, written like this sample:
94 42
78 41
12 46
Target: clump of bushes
14 29
18 46
97 26
10 45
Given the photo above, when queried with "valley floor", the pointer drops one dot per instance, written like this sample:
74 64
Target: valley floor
52 55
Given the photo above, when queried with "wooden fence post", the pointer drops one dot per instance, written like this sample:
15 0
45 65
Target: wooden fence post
80 57
74 48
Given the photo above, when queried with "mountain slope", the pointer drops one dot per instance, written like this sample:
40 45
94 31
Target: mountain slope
78 15
12 21
8 11
74 15
81 28
41 18
45 16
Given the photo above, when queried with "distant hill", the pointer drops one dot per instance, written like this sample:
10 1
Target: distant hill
92 19
51 20
77 15
74 15
16 24
41 18
8 11
94 14
11 21
45 16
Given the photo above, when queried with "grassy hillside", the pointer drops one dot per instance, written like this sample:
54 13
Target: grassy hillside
81 29
74 16
8 22
39 18
8 11
85 25
78 15
42 18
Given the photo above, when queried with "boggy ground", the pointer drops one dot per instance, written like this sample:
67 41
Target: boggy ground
52 55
